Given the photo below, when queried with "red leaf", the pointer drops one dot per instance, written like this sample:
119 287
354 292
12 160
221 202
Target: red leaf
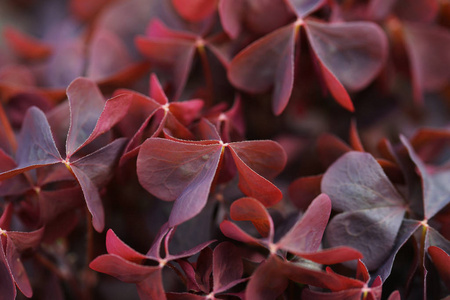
254 185
194 10
442 262
121 268
26 46
250 209
115 246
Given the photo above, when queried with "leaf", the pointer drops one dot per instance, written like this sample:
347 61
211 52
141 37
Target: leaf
166 48
250 209
86 106
227 266
254 185
114 245
306 234
93 170
351 54
373 209
371 231
17 269
356 181
254 68
303 190
7 288
435 187
36 145
303 8
442 262
194 10
428 49
121 268
173 170
107 55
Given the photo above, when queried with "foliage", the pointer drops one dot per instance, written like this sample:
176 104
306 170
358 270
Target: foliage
284 149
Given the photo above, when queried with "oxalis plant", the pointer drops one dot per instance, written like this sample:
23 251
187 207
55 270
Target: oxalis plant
225 149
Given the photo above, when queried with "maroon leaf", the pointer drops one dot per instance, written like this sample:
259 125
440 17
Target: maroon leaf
7 288
266 158
172 170
303 190
178 50
227 266
17 269
93 170
36 145
306 234
347 49
255 69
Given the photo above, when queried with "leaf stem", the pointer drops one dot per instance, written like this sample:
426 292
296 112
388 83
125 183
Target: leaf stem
206 70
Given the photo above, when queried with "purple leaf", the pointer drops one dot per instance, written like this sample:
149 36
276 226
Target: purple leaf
17 269
303 8
7 288
173 170
356 181
227 266
352 52
257 67
107 55
86 106
371 231
36 145
93 170
428 48
407 228
435 189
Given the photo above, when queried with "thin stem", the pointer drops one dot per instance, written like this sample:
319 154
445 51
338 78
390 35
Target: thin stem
207 71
